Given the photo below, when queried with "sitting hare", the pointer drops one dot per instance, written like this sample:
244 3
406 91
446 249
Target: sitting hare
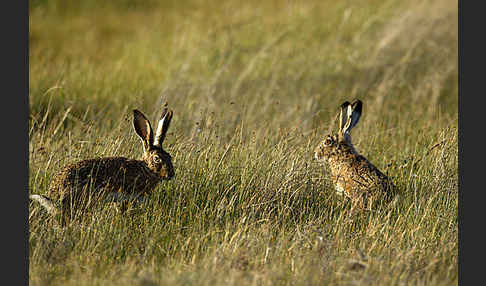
113 178
352 174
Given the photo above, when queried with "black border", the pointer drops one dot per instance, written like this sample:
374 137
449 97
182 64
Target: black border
14 24
471 86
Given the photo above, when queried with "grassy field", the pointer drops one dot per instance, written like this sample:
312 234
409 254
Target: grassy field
255 86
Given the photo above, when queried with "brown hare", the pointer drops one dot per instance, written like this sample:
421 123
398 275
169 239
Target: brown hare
79 185
352 174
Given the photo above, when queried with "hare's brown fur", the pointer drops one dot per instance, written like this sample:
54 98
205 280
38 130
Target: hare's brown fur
101 176
352 174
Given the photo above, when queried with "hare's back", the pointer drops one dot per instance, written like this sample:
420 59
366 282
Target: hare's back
109 174
366 175
355 175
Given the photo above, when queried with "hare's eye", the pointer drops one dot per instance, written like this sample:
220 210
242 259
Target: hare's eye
328 142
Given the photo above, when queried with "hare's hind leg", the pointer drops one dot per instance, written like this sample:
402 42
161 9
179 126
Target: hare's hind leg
49 212
45 202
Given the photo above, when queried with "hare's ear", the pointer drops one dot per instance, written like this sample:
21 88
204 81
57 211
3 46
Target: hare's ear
143 129
354 114
163 125
343 116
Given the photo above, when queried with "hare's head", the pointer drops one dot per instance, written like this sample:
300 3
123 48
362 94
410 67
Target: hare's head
156 158
334 143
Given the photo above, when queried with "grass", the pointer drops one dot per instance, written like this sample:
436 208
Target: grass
255 86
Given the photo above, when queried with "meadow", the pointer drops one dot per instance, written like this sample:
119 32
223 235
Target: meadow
255 86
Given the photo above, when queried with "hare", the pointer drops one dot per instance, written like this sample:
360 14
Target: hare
352 174
79 185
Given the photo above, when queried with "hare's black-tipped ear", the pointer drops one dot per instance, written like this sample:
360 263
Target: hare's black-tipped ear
357 108
143 129
354 114
163 125
343 116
